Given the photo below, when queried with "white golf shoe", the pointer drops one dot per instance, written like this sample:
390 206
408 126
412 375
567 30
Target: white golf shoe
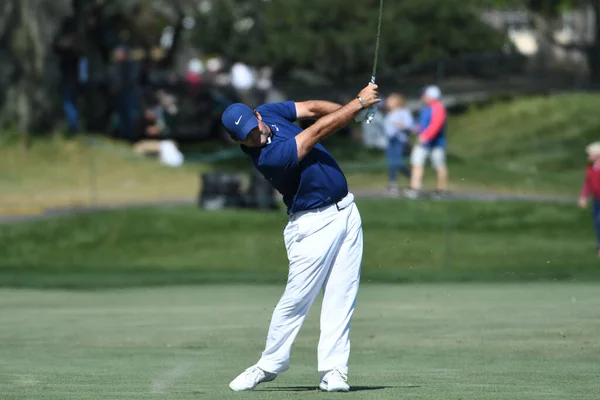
334 381
250 378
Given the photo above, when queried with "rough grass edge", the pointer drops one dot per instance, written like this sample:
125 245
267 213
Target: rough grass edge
91 279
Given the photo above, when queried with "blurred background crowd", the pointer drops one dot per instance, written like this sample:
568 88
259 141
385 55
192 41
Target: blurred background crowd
156 75
119 79
139 69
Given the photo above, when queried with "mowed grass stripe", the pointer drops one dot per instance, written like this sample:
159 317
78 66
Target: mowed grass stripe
427 341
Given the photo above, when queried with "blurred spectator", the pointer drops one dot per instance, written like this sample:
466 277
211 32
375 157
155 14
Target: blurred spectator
194 75
168 103
127 61
154 128
125 80
214 72
397 125
101 28
431 133
243 80
158 117
68 48
162 55
152 124
264 84
591 188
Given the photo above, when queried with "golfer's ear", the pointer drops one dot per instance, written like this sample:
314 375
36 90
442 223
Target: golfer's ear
258 116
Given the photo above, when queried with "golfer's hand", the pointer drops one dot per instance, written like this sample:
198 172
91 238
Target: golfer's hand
582 202
370 95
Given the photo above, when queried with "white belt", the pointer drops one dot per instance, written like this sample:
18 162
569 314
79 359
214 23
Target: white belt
345 202
339 206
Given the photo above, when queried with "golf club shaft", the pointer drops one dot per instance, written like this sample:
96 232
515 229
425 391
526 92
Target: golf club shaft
377 41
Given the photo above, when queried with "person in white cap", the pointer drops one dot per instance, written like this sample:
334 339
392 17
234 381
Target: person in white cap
431 132
591 187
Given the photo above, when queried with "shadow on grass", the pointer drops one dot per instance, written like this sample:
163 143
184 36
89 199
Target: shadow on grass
316 388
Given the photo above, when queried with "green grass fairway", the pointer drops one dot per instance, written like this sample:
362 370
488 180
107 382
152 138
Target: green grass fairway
463 341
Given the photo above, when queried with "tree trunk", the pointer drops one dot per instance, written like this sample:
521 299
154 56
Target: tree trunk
28 80
593 51
30 96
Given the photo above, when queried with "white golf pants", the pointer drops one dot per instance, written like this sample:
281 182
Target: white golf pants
324 247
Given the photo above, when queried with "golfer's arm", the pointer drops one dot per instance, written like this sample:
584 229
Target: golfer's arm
326 126
315 108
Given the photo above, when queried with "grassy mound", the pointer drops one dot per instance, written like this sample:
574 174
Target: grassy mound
404 241
530 145
536 135
60 173
538 141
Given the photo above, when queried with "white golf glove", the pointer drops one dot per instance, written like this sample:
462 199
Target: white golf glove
371 111
366 115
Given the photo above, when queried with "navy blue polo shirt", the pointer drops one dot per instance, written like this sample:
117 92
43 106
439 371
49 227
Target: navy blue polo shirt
314 182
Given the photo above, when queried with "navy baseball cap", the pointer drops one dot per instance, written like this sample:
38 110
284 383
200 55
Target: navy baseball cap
239 119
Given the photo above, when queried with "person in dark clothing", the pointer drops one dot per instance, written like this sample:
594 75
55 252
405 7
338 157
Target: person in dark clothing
68 49
104 26
125 85
152 123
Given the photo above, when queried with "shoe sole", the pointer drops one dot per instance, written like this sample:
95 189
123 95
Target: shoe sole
241 390
324 387
251 389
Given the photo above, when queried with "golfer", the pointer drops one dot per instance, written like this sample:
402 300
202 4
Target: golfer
323 237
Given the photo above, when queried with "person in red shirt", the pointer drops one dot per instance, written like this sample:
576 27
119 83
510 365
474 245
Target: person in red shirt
591 187
432 132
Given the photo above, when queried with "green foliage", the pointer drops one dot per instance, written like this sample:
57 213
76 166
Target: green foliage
550 8
333 38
